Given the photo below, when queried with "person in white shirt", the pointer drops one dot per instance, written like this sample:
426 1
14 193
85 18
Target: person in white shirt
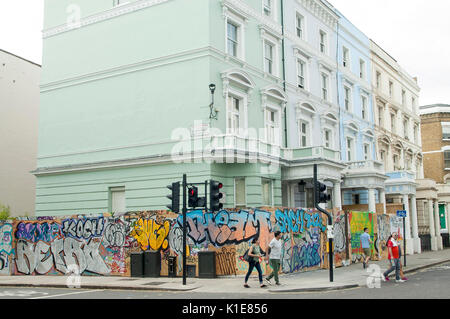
274 257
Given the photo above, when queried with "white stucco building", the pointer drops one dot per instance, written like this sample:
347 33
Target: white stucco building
19 117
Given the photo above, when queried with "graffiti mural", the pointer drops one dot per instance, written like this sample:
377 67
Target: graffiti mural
103 244
6 248
384 230
341 237
358 221
227 228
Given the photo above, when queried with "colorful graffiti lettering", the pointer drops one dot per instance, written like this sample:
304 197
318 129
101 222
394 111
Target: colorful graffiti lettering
227 228
84 228
151 235
298 221
41 257
38 231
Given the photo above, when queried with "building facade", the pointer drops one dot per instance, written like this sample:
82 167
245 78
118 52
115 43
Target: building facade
293 87
397 132
435 129
19 109
364 176
312 108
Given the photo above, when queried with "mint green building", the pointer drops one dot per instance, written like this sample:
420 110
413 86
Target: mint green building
126 104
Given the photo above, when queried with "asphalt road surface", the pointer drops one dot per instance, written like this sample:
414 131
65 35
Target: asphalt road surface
431 283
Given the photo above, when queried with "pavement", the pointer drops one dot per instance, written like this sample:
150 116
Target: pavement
352 276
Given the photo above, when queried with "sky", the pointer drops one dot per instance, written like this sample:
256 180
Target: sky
415 32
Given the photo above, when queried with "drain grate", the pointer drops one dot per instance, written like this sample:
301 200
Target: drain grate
154 283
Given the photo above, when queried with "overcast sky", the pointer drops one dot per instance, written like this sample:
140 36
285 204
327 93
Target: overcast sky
415 32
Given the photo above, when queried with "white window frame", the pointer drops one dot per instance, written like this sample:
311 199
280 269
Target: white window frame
240 23
323 44
391 88
350 151
393 123
305 73
302 26
348 101
273 10
362 69
326 90
243 112
331 140
275 63
245 192
307 134
406 128
378 79
367 156
346 61
364 107
276 128
117 190
270 182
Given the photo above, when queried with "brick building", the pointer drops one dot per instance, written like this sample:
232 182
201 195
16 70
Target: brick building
435 128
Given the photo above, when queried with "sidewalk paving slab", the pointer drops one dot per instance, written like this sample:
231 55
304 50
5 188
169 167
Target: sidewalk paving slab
311 281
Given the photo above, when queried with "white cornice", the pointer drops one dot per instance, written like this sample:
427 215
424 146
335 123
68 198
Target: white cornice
324 13
102 16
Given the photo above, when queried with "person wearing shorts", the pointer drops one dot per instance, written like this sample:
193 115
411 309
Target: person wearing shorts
365 245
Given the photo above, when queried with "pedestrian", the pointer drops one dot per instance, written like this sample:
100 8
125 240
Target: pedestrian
255 252
365 245
274 257
394 259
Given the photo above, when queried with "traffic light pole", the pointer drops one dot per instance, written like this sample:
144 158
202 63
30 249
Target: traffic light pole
330 223
184 227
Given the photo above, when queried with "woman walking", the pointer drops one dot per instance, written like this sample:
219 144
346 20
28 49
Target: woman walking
255 252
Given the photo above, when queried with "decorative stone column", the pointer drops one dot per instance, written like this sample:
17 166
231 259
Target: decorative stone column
431 223
415 226
372 201
409 241
337 195
382 195
437 226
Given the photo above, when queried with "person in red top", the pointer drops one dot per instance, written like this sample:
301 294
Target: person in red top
394 258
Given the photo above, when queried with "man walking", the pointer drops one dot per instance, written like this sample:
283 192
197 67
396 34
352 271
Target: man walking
394 258
365 245
274 257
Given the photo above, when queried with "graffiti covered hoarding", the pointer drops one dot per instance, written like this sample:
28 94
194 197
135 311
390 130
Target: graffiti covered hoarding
102 244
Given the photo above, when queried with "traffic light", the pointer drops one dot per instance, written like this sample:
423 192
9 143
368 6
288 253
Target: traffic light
192 196
321 193
215 195
193 200
174 197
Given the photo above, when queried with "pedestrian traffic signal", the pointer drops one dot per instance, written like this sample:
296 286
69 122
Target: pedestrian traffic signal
321 193
174 197
215 195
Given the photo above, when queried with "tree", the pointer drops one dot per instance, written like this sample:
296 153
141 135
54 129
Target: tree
4 212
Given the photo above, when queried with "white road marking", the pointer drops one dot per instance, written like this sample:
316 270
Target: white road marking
67 294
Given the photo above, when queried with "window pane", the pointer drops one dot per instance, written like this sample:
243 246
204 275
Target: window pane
266 192
240 191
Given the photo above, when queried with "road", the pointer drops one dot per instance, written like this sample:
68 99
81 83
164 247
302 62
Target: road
431 283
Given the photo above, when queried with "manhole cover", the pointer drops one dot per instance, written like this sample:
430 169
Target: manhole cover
154 283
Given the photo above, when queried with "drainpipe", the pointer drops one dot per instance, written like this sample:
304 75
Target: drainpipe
284 73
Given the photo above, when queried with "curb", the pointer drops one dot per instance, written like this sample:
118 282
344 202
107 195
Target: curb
417 268
330 288
154 288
